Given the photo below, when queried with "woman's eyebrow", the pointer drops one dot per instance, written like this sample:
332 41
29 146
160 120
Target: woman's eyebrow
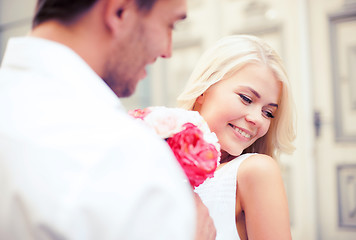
259 96
254 92
273 105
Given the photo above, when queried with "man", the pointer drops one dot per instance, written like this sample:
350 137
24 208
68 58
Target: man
73 165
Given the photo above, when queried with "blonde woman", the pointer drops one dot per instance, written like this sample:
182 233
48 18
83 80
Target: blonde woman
241 89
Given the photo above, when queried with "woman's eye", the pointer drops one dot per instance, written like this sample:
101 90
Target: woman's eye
268 114
245 98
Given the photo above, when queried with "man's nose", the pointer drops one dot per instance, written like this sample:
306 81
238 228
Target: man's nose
167 49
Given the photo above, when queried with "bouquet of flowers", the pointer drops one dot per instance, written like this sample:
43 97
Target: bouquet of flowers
188 135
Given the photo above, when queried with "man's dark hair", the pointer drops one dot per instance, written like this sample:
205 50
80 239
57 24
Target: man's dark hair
66 11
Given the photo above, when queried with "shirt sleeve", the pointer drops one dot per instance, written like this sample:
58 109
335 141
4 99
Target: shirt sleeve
73 165
127 187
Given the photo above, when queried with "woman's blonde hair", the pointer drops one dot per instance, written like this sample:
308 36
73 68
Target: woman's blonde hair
225 58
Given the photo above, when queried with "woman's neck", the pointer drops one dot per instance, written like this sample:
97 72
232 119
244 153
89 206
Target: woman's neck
226 157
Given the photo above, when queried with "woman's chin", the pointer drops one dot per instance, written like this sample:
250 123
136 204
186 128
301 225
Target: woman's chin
227 156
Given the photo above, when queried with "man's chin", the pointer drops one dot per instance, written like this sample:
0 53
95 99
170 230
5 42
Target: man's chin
129 89
143 74
124 93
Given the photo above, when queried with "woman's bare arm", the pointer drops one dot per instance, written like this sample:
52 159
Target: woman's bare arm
263 199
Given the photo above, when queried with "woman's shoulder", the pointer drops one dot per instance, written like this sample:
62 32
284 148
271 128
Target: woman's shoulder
258 167
258 162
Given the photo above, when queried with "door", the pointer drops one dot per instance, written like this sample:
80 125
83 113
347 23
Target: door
333 51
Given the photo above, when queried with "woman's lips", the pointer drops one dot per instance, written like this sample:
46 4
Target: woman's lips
241 132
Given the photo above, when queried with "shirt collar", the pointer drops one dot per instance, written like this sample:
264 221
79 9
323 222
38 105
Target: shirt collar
49 58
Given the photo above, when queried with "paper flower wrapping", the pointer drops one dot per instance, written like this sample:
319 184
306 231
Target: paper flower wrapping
188 135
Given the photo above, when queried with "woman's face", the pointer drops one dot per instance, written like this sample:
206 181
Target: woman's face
239 109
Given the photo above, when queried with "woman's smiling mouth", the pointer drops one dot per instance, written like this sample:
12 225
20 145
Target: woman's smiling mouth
241 132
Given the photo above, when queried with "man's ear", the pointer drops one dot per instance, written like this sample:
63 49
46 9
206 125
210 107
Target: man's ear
117 14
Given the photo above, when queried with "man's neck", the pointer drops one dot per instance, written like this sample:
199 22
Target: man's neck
79 38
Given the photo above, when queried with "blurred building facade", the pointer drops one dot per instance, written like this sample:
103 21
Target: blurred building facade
317 41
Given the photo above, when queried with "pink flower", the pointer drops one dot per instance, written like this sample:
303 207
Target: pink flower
139 113
195 147
197 157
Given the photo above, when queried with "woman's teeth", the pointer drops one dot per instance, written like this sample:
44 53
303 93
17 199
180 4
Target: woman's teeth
246 135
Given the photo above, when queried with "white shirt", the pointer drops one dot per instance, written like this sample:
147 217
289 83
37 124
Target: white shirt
73 164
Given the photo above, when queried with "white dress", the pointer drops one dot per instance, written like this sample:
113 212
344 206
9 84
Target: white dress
219 195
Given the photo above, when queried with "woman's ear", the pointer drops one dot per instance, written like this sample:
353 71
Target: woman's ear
198 102
200 99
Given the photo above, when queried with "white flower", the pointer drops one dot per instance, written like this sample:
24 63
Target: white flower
169 121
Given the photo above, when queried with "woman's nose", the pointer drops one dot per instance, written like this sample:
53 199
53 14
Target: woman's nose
254 117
